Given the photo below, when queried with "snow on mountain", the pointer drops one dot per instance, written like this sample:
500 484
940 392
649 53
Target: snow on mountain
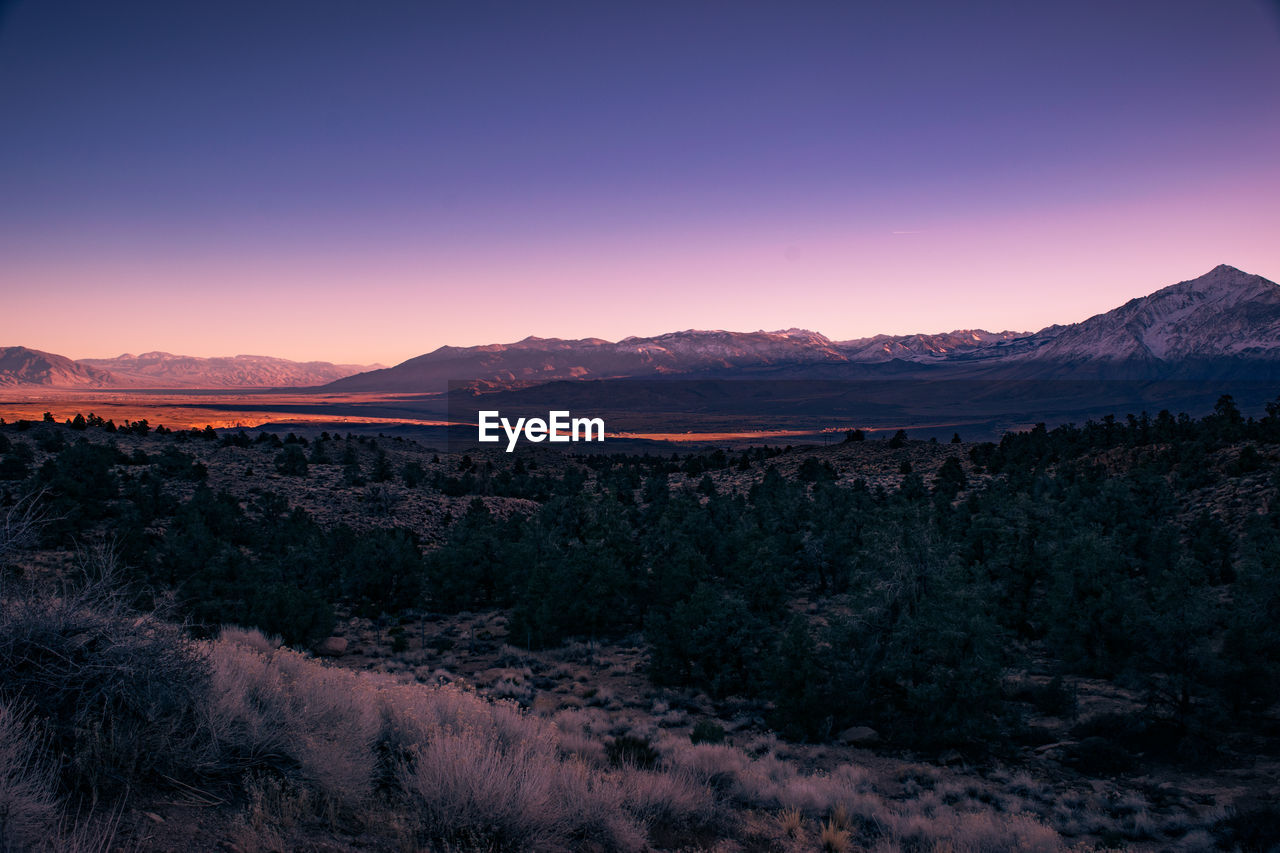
1225 314
535 360
922 348
1227 317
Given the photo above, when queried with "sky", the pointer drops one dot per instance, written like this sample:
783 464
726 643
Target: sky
365 182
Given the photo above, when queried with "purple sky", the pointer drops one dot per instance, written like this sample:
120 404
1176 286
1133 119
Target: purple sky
367 181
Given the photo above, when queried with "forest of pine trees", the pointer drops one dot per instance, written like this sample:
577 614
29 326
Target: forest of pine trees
1083 551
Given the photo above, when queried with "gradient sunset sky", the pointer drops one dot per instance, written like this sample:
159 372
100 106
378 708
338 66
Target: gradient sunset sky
362 182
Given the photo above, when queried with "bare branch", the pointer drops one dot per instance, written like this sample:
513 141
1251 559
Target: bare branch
20 525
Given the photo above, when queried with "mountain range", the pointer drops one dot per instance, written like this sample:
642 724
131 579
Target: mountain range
21 366
1224 324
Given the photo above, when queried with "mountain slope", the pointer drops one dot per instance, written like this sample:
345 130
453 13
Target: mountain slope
535 360
1225 320
1225 323
165 370
21 366
923 348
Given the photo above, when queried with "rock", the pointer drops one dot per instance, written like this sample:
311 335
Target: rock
858 735
333 647
1054 749
1049 746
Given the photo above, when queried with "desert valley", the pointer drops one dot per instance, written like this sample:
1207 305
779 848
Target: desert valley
630 427
338 624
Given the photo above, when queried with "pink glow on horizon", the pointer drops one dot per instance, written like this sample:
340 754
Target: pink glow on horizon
1003 270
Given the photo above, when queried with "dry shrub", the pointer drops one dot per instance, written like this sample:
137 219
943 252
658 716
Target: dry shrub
854 811
20 525
711 764
579 730
976 832
31 815
28 805
123 695
584 747
468 787
672 799
631 750
117 691
472 773
284 711
514 685
589 721
250 638
482 774
275 802
86 834
770 782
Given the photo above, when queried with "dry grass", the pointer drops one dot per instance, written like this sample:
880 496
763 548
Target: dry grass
791 821
28 804
852 812
250 638
285 711
835 839
307 743
469 772
31 816
669 798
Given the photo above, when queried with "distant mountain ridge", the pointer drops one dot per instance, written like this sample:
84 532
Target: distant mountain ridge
22 367
923 347
535 360
165 370
1222 324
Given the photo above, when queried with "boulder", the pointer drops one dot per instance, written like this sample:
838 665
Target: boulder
858 736
332 647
